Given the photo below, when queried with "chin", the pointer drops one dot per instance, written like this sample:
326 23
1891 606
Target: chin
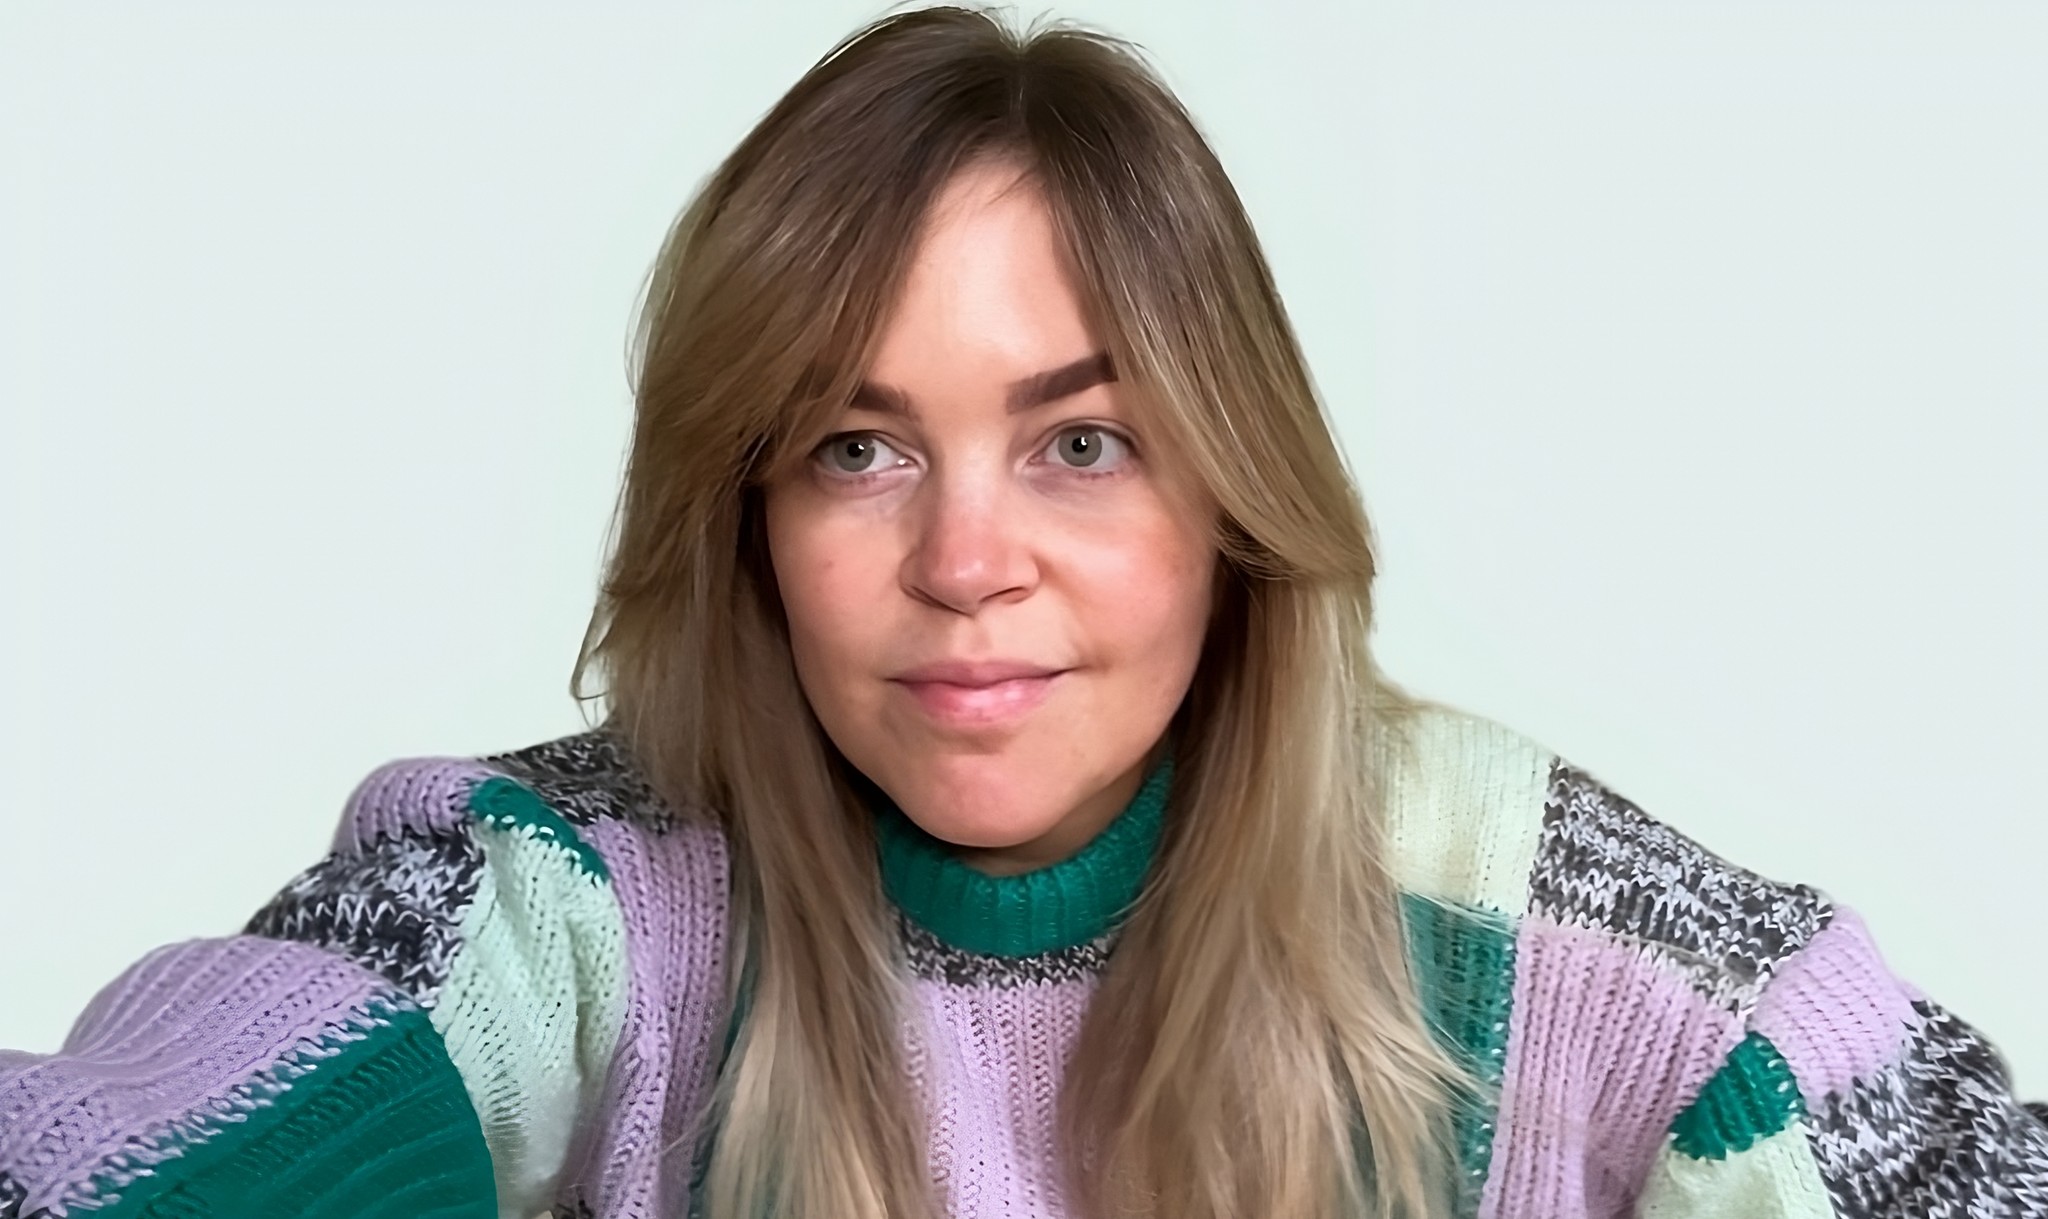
981 807
990 834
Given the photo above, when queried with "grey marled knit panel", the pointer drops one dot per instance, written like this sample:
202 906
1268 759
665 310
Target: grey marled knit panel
587 776
933 959
1936 1134
1605 864
395 906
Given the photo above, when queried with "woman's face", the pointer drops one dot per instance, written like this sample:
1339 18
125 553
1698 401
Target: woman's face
996 590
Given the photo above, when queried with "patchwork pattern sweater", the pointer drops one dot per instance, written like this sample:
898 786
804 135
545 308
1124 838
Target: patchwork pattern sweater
501 994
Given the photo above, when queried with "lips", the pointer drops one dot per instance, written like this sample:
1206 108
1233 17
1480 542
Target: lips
976 672
979 694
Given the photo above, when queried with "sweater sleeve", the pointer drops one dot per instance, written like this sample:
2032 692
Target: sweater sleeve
415 1025
1853 1095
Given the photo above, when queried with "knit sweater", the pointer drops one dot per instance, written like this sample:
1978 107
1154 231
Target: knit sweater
501 993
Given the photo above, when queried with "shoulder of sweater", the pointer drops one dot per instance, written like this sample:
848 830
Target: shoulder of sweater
568 929
1464 799
1480 814
581 794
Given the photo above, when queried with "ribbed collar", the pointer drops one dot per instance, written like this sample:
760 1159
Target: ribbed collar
1058 906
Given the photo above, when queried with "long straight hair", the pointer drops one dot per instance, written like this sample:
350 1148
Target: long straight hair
1255 1045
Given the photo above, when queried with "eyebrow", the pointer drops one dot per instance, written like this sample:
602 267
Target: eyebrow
1035 390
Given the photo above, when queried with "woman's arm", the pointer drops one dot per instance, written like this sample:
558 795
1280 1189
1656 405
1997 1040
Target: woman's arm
413 1026
1854 1095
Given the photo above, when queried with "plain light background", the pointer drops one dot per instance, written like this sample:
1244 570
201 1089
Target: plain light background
1692 361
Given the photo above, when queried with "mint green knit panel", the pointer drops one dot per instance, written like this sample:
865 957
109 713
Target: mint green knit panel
507 804
1775 1177
1752 1097
1464 962
379 1126
536 995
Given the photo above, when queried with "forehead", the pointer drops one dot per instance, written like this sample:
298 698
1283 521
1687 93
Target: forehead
989 290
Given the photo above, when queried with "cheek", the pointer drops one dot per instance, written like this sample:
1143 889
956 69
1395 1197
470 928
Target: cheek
818 577
1151 593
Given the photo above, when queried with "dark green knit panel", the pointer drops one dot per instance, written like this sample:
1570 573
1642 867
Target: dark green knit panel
1752 1097
384 1129
1059 906
508 804
1464 964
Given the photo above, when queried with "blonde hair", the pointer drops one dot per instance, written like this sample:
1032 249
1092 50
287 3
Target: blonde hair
1256 1043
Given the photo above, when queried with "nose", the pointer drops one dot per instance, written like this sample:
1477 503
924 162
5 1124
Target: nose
971 546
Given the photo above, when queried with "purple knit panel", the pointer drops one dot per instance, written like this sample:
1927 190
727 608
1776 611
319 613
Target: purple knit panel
987 1062
1835 1011
411 794
1607 1043
162 1050
635 1160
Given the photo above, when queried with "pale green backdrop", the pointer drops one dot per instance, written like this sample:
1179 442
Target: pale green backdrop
1692 359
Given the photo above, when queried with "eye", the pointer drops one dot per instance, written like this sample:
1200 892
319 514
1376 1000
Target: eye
1092 448
855 453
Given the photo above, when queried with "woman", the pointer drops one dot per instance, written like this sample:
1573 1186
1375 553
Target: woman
997 809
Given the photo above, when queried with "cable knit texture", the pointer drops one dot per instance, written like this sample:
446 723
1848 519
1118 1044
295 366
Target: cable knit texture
503 993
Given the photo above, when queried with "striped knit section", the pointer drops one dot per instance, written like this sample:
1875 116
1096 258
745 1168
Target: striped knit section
489 906
282 1080
459 954
670 882
1909 1110
1638 960
1741 1147
534 999
1834 1011
392 895
1605 1043
504 990
384 1127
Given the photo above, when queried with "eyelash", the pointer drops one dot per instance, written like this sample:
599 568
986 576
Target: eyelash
840 476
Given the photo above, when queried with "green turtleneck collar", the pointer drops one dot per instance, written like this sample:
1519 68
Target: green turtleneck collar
1058 906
